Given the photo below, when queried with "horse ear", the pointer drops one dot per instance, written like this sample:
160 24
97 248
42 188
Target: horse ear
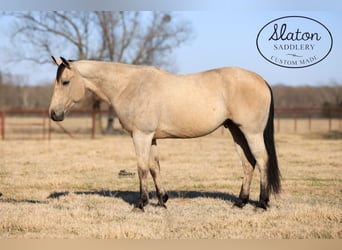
56 61
66 63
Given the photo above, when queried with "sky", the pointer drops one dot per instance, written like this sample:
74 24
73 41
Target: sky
225 38
224 35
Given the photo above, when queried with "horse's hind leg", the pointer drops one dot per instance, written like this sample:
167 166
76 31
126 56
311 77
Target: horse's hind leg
258 149
248 170
155 172
247 161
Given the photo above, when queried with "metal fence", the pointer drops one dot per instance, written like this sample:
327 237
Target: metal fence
35 124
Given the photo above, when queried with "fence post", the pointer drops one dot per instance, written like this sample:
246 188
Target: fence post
3 115
330 122
309 123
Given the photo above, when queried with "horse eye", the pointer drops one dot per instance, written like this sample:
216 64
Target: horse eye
66 82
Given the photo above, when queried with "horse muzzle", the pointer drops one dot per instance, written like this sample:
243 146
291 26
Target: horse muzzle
56 117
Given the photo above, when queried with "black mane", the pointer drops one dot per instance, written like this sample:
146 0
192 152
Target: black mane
60 70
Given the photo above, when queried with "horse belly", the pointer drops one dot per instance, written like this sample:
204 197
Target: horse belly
191 121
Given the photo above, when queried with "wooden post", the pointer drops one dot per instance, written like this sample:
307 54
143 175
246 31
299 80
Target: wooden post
309 123
3 115
295 122
330 123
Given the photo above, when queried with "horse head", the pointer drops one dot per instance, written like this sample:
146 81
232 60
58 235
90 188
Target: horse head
69 88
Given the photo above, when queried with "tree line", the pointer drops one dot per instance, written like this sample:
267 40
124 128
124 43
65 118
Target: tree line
308 96
14 95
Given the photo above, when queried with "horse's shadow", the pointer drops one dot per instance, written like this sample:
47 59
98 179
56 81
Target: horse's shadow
131 197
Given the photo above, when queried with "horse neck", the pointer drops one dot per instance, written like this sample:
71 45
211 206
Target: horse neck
101 78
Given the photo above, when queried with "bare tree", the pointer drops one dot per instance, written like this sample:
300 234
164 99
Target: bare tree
146 38
128 37
45 33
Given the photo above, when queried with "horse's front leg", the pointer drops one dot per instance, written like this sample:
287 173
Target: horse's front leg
142 143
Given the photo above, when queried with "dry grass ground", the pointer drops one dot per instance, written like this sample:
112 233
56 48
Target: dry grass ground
71 189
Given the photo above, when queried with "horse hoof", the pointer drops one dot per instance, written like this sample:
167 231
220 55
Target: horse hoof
162 200
240 204
140 205
165 198
162 205
138 210
262 205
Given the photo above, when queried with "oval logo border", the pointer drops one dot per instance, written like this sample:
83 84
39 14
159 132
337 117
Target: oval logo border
294 67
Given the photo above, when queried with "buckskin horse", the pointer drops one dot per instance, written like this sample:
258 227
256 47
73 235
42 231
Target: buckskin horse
153 104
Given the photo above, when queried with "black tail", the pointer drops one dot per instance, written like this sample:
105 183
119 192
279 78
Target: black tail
273 173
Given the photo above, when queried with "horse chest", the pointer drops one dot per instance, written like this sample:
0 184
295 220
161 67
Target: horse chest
144 121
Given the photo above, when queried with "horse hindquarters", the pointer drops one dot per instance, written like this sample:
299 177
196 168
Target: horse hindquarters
257 149
264 151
